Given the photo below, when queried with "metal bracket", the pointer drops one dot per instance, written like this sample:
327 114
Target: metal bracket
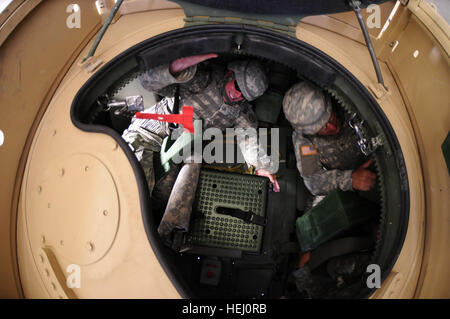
378 90
366 146
129 107
91 64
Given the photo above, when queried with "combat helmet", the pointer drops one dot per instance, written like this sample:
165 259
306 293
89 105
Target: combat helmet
307 108
250 77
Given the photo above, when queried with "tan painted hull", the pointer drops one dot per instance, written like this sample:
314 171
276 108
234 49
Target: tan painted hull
49 166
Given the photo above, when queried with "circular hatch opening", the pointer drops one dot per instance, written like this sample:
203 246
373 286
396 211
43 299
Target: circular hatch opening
287 61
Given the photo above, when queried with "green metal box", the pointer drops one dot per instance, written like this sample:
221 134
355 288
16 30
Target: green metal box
336 213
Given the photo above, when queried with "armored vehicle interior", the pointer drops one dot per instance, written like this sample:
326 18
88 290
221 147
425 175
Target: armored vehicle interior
226 257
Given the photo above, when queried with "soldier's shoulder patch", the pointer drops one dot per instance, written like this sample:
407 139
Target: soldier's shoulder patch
308 150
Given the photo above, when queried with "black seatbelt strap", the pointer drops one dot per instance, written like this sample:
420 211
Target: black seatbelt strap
247 217
176 106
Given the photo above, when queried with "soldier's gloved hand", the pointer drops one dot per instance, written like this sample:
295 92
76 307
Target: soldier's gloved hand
183 63
271 177
362 178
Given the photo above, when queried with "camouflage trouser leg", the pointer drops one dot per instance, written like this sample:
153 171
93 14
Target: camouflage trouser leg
163 188
144 151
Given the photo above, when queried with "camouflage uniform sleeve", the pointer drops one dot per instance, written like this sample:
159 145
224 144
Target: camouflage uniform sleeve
160 80
247 139
318 180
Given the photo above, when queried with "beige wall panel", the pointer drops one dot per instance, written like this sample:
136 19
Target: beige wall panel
59 193
425 82
32 61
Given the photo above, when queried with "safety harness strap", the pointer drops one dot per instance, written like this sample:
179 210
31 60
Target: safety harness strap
248 217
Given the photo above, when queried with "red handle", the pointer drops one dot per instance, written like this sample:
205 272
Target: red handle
186 118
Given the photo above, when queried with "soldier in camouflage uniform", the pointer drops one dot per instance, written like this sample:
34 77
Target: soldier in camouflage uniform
325 145
327 154
220 98
145 138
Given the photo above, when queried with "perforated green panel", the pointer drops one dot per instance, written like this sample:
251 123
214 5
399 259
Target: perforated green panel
246 192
